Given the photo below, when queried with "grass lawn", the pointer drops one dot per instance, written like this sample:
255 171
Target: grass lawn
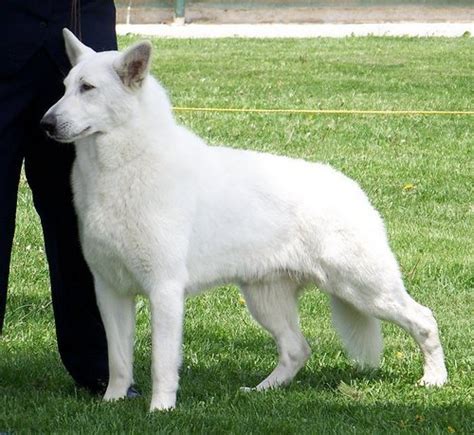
417 170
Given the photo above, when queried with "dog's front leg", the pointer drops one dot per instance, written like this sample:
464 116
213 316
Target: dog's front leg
167 309
118 315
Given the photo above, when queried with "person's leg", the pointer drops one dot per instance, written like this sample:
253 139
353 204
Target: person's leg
80 333
15 97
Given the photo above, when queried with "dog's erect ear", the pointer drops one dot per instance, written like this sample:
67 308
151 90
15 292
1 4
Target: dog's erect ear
133 65
75 49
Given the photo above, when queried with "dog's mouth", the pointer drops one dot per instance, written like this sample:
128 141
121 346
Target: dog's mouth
70 138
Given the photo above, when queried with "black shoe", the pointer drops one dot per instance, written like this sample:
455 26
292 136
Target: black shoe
132 392
98 389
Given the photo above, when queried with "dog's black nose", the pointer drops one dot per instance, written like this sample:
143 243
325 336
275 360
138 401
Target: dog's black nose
48 123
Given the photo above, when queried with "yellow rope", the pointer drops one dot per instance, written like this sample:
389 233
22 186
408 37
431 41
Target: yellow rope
326 111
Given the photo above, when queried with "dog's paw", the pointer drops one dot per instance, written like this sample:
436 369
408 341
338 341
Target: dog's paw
162 407
163 402
115 392
435 379
247 389
118 393
113 397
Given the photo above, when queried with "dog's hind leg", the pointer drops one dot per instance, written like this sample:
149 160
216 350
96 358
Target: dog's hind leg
388 300
274 305
420 323
118 315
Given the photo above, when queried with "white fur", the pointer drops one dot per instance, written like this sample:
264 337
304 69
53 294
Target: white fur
165 215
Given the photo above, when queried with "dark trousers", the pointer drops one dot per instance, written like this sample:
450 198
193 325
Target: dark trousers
24 98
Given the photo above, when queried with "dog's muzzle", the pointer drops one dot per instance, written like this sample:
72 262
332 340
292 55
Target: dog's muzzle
48 124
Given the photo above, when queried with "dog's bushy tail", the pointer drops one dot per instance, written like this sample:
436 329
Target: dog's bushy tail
360 333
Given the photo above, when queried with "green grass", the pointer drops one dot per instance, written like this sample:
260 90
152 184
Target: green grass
430 227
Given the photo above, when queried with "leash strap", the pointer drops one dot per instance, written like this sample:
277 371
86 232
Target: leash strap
76 26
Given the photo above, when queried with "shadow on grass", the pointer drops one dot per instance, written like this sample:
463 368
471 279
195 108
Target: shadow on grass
250 358
210 401
40 372
222 366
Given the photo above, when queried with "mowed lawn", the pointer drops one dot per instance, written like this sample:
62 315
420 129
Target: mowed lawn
417 170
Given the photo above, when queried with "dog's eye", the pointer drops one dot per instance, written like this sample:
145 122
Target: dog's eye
86 87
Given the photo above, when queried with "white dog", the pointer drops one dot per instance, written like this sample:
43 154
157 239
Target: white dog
165 215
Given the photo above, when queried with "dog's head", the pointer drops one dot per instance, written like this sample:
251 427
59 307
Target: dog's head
101 90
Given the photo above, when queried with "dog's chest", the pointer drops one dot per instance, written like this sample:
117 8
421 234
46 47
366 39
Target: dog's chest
109 237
